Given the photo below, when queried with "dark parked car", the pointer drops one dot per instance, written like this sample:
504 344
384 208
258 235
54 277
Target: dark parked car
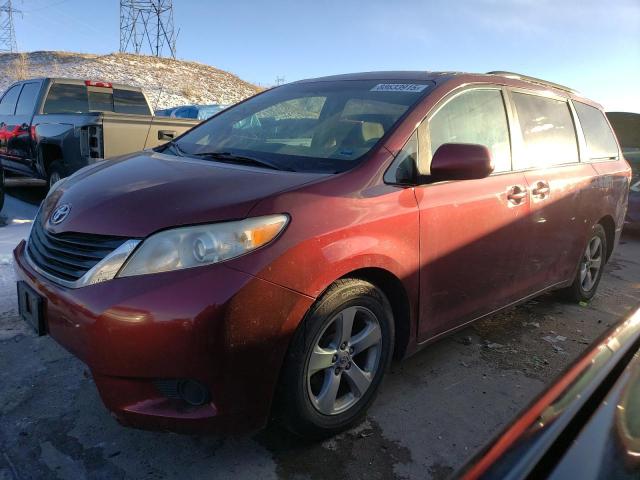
586 425
275 258
632 155
199 112
626 126
165 112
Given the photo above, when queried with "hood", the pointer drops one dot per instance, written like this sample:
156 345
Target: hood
137 195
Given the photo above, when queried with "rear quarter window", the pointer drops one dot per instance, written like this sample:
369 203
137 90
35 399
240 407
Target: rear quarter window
131 102
548 132
66 98
601 143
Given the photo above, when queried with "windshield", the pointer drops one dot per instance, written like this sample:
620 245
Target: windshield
323 126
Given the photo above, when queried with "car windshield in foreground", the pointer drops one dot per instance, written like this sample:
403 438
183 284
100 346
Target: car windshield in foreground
242 159
324 126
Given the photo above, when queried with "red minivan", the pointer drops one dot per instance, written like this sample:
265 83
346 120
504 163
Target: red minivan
273 260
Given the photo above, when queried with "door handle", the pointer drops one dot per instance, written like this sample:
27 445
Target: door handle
541 190
166 134
517 194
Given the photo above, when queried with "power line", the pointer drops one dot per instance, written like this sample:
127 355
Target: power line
45 7
7 31
147 25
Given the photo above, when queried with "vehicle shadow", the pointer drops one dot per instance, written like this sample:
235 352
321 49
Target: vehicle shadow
32 193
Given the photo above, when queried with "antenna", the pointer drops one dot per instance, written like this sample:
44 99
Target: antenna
7 32
147 25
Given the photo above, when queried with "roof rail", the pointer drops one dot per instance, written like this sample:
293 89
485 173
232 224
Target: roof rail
538 81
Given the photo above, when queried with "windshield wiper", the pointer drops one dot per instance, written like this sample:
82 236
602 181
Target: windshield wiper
240 159
174 146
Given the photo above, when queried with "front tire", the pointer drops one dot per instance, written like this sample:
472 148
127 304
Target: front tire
56 173
590 269
336 360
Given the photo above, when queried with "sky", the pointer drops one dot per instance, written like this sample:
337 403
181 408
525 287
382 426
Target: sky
590 45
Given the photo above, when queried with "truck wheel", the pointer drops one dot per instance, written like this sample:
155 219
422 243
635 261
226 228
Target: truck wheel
56 173
590 269
2 190
336 360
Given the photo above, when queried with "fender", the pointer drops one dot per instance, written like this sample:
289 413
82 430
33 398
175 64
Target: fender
374 233
61 135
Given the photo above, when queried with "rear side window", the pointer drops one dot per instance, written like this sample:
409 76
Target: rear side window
547 131
131 102
66 98
601 144
475 116
27 100
8 102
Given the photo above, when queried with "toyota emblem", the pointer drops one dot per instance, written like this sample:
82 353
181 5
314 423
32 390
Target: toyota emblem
60 213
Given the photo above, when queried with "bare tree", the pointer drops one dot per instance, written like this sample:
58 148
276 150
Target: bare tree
20 68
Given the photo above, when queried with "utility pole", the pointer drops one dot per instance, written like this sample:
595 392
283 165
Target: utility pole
279 81
147 23
7 32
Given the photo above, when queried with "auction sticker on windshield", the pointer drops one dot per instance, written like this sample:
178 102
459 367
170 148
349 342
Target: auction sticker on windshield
398 87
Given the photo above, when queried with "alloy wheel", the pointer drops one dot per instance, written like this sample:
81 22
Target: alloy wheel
591 264
54 178
344 360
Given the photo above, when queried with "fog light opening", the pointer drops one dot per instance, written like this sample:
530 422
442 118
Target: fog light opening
194 393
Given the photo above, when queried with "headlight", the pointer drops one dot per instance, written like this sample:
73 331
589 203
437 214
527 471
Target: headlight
188 247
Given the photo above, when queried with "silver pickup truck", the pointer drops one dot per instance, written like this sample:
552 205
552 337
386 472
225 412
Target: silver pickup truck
51 127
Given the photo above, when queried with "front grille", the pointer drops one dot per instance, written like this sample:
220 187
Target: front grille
68 256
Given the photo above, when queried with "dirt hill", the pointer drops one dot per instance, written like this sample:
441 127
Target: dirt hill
166 82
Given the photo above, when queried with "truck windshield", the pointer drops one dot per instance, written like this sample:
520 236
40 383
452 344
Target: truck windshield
324 126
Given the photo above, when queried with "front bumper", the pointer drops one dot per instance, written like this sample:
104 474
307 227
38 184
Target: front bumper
226 329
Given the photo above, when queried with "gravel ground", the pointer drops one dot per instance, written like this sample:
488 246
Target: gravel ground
434 410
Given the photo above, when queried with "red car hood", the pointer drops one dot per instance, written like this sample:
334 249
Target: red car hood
137 195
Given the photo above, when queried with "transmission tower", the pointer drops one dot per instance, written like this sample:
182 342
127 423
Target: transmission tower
7 32
147 25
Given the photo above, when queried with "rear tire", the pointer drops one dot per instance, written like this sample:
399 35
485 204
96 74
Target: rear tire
336 360
56 172
590 268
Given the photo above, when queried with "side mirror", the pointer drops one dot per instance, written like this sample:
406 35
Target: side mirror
461 161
